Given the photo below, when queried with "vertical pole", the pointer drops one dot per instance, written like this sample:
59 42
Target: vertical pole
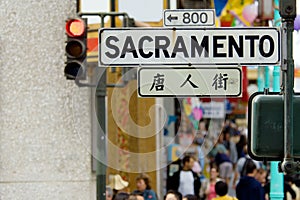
276 182
267 76
260 81
288 27
101 139
276 79
276 185
113 9
288 14
101 150
78 6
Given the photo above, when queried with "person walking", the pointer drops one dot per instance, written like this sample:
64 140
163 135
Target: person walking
220 155
248 187
185 181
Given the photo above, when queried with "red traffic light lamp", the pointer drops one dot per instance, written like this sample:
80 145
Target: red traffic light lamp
76 48
75 27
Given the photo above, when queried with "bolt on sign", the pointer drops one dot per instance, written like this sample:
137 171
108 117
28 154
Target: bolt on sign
201 46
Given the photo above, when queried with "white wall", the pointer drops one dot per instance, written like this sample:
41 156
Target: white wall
41 153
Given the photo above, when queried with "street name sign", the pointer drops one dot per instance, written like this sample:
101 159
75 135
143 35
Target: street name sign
189 17
187 82
178 46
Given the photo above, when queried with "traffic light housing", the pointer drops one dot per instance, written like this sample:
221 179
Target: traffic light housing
287 9
76 48
266 126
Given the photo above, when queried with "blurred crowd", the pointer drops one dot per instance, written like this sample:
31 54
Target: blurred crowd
226 173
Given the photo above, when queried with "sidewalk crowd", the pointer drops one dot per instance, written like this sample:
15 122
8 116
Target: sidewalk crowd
232 175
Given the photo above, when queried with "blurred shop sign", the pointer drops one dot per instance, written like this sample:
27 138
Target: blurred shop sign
214 110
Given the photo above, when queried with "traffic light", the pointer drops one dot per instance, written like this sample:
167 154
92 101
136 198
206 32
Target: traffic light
287 9
266 126
76 48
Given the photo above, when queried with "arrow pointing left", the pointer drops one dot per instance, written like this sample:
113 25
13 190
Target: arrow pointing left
170 18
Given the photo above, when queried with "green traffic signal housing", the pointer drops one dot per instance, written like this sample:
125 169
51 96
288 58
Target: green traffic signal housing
76 49
266 126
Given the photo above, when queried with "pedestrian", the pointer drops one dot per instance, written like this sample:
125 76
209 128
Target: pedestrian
213 179
248 187
185 180
117 184
287 189
240 169
291 181
221 188
261 176
173 195
231 147
240 146
144 188
108 193
136 196
121 196
225 166
221 157
190 197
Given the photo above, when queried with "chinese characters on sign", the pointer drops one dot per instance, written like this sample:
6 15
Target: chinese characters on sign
219 82
158 82
153 82
190 82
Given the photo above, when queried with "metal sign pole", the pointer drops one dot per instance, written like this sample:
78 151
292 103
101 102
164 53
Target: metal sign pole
276 183
288 14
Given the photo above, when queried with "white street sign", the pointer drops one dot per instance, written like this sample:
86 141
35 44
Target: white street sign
189 17
201 46
205 81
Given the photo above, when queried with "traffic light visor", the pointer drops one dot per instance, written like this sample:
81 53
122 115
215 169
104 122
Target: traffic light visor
75 27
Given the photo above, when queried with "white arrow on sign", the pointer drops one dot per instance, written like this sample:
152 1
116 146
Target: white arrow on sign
205 81
189 17
201 46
